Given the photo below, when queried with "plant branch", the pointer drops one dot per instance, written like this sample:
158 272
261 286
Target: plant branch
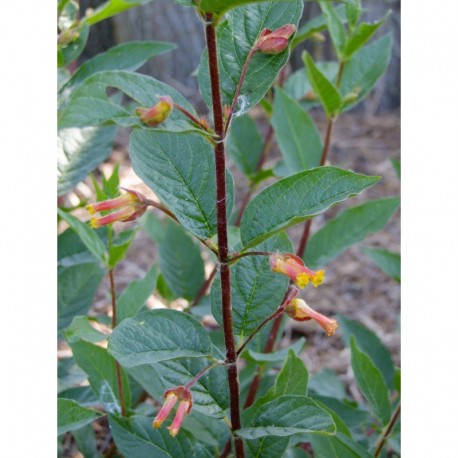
239 256
239 87
223 250
193 118
204 287
161 207
202 372
113 325
252 187
387 431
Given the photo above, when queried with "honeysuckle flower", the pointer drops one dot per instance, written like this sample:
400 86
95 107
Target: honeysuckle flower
156 114
298 310
131 206
294 268
276 41
181 394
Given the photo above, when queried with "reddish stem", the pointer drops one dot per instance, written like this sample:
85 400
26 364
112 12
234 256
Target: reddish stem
223 250
388 430
204 287
193 118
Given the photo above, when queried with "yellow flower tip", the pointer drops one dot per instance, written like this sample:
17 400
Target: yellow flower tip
173 431
157 424
331 327
302 280
90 209
318 278
94 223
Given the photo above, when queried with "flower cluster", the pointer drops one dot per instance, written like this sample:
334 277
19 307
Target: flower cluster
130 206
172 396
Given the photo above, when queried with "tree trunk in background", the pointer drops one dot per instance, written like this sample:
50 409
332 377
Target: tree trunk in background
164 20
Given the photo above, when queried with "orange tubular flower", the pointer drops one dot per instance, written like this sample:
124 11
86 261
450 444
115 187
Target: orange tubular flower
293 266
298 310
131 206
181 394
156 114
274 42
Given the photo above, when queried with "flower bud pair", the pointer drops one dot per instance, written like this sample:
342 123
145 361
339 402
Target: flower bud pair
276 41
172 396
294 268
130 206
156 114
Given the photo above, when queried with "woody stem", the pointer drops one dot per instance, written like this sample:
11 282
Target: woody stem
223 249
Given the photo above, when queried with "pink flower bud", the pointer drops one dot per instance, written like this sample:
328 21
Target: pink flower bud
156 114
298 310
181 394
293 266
131 206
274 42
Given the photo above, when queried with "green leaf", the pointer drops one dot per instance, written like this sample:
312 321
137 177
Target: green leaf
299 88
125 56
396 166
210 393
266 447
276 356
73 50
101 370
87 235
244 144
318 24
256 290
81 329
112 8
69 374
364 69
361 36
370 344
370 382
181 171
219 7
89 104
326 91
236 36
353 12
291 380
288 415
83 395
158 335
76 289
85 440
118 249
335 27
348 411
388 261
296 133
133 298
327 383
81 151
337 446
181 262
71 250
71 415
347 228
209 431
297 198
136 438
